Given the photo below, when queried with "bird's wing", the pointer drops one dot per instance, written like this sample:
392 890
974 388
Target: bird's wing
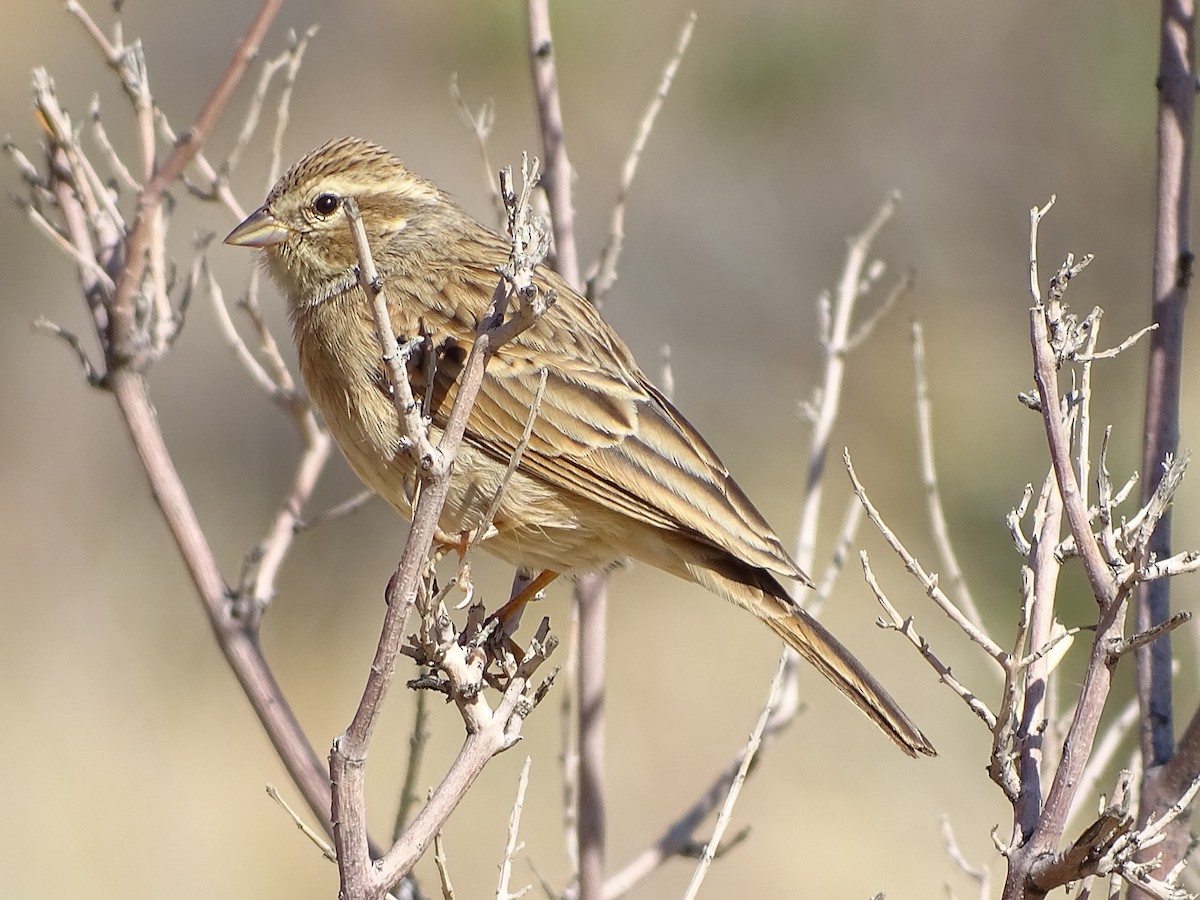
602 431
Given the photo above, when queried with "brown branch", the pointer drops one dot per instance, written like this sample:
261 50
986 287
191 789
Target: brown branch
124 347
1034 868
488 731
1173 260
591 591
1167 767
237 639
558 174
124 340
603 274
752 745
678 837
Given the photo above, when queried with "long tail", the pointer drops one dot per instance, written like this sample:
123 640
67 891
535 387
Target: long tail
758 591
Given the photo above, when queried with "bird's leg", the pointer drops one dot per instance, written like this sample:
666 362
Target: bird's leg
507 653
460 543
509 615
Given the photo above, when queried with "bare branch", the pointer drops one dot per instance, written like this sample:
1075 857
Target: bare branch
895 622
558 173
480 125
510 845
710 849
1150 635
347 507
90 373
603 274
868 325
416 441
929 582
848 292
318 841
443 868
979 874
417 742
933 497
488 731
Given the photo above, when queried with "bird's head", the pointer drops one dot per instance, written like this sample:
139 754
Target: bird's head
303 228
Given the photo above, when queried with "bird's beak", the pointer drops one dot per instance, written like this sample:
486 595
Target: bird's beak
261 229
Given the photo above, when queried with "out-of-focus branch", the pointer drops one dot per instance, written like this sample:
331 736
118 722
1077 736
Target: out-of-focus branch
591 591
678 838
128 347
752 745
603 274
1167 768
558 174
124 345
933 495
511 848
834 336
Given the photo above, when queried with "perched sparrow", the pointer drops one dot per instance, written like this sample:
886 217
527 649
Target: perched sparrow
611 470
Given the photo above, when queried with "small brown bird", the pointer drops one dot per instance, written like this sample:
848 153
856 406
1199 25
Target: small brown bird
612 469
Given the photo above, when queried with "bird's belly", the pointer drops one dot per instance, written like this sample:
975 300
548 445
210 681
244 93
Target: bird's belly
534 526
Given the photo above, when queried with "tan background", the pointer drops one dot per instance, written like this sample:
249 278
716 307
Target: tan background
133 766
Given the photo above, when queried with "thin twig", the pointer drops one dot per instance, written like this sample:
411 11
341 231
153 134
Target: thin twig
906 627
511 847
415 432
514 462
837 559
929 582
319 841
443 866
258 375
603 274
752 745
417 742
833 347
933 496
979 874
480 125
347 507
869 323
488 730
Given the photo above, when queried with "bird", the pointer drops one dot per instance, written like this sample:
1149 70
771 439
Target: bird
611 470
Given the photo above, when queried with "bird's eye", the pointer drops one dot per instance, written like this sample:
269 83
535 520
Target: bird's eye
325 204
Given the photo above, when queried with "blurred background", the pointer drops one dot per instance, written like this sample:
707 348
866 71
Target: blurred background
134 766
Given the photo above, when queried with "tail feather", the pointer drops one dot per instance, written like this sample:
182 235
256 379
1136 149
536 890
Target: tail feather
758 591
827 655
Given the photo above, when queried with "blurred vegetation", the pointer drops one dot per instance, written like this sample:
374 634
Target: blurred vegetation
133 761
